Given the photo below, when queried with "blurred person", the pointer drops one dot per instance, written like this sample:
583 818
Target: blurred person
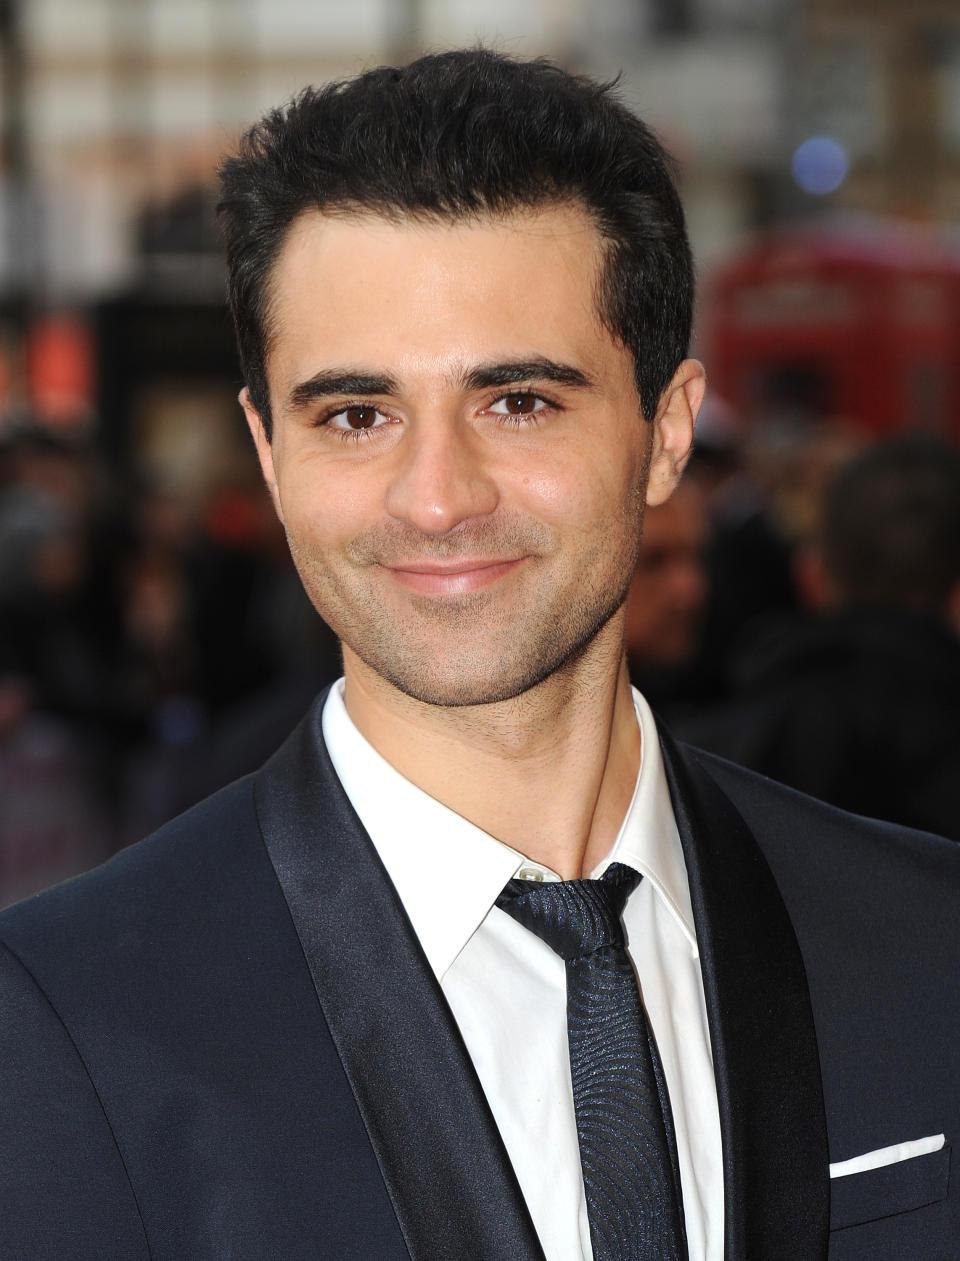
54 678
46 494
52 820
198 586
481 964
760 514
717 458
858 702
667 598
239 574
54 669
53 621
159 692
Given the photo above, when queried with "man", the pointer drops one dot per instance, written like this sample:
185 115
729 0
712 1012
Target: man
315 1016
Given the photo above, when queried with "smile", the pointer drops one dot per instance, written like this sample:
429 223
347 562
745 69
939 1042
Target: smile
451 577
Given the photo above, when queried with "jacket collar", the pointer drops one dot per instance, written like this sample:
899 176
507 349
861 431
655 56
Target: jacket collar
772 1118
443 1162
442 1159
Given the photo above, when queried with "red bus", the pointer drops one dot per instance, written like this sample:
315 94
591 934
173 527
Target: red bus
854 322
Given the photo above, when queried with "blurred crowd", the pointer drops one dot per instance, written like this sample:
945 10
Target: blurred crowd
150 649
796 608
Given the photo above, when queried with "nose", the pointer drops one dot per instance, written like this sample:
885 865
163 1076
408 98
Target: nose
442 476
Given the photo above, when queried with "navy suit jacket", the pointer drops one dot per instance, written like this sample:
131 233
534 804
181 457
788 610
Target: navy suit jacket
227 1043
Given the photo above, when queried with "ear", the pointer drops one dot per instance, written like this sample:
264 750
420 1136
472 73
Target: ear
673 429
264 449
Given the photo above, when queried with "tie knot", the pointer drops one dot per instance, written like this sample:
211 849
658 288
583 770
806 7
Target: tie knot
574 917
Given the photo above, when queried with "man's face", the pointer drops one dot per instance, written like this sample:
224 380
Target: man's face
458 456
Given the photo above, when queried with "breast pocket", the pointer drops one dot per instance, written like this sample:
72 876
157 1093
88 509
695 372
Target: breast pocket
896 1211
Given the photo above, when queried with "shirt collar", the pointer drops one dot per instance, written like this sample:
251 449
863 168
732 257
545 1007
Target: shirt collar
448 873
648 839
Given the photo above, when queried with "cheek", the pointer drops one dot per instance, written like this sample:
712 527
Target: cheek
323 506
583 497
544 492
601 496
556 480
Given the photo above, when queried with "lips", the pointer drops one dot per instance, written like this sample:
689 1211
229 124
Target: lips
451 577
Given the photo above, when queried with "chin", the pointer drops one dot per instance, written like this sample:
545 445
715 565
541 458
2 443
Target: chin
446 683
459 691
459 659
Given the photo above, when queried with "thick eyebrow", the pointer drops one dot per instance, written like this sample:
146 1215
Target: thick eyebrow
514 371
343 381
336 381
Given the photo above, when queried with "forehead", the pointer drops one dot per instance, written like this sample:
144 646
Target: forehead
347 286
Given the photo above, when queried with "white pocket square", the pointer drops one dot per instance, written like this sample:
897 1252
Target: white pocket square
887 1156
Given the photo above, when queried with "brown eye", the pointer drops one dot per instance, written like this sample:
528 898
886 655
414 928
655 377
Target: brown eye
520 404
360 417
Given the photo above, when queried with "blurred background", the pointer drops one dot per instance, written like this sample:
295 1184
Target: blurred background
796 607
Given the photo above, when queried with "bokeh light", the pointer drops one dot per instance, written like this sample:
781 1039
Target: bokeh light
820 165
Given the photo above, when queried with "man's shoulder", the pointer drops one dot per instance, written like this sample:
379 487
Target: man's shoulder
784 818
186 934
849 883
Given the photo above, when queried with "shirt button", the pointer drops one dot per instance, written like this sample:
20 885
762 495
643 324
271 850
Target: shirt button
529 873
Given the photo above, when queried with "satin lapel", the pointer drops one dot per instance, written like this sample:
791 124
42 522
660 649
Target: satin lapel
443 1161
775 1161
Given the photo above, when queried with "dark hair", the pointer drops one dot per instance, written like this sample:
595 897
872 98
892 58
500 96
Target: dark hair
891 525
458 135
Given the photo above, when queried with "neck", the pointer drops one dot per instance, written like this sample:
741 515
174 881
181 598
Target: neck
550 773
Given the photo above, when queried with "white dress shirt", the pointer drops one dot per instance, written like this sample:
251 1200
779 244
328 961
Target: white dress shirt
507 988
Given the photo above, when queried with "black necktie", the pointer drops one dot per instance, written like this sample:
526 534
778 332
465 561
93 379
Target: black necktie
624 1124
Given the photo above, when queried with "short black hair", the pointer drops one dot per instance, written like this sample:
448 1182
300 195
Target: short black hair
891 526
461 135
